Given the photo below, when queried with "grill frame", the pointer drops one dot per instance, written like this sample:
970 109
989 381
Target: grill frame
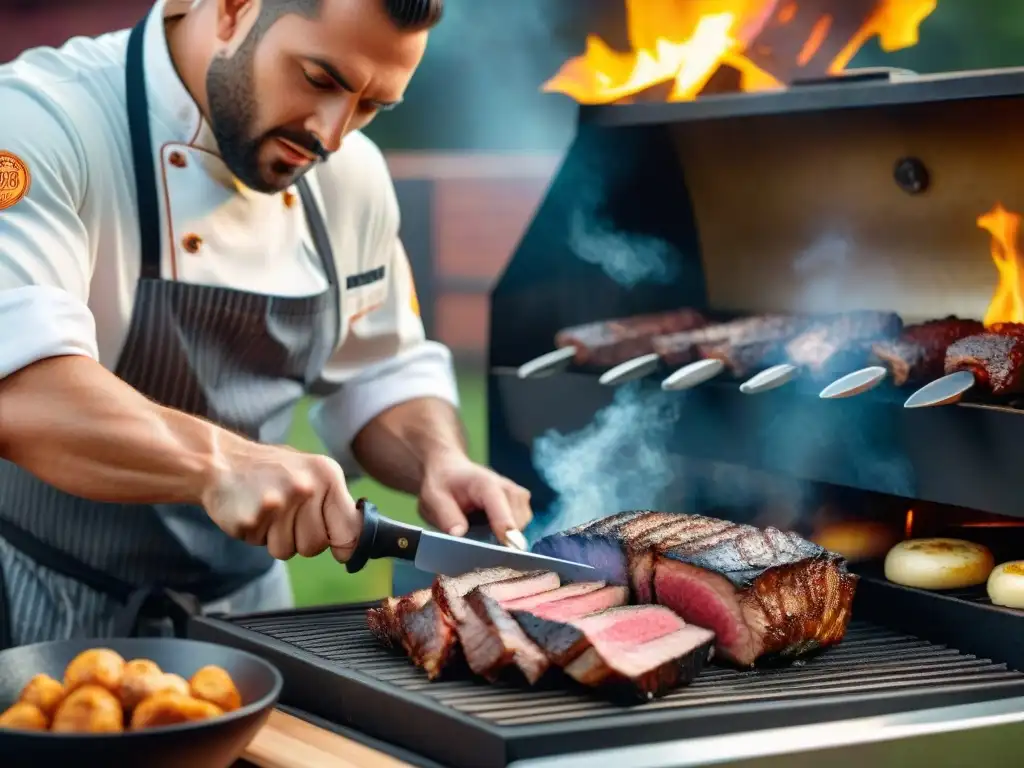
361 700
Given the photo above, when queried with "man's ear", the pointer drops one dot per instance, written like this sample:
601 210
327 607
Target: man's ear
234 16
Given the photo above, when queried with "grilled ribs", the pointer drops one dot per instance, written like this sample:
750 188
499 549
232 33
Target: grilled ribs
717 340
762 592
919 353
996 358
611 342
837 343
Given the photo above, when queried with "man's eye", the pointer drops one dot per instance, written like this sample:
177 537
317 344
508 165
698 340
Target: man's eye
322 85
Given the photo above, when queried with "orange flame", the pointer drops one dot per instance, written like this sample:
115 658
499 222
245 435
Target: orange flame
685 42
908 524
1007 305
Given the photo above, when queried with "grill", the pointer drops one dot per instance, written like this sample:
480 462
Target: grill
335 669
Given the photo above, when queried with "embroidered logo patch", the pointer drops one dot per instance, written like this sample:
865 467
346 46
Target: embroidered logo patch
364 278
14 179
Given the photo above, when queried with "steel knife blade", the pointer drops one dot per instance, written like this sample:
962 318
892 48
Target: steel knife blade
945 391
440 553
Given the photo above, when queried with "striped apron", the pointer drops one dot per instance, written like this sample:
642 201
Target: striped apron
78 568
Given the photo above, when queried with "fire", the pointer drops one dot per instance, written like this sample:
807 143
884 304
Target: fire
684 43
908 524
1007 305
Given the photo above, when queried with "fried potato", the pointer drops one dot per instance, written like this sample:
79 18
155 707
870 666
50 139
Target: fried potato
44 692
89 709
23 717
168 708
142 678
214 684
97 666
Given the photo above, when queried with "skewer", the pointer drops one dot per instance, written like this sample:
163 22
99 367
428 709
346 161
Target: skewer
770 378
855 383
691 375
636 368
945 391
547 364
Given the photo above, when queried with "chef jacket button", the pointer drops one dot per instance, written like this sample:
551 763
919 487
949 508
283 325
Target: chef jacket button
191 243
177 159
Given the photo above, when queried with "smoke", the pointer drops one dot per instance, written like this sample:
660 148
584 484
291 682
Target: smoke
619 461
627 258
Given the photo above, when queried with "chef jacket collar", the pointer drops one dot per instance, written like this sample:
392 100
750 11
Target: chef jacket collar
170 103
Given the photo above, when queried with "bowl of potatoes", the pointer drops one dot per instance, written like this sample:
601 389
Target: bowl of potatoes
153 702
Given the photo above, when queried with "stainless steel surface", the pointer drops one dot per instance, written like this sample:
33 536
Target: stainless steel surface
770 378
986 734
855 383
691 375
547 364
945 391
636 368
453 556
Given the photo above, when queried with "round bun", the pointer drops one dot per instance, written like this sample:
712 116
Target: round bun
938 564
857 540
1006 585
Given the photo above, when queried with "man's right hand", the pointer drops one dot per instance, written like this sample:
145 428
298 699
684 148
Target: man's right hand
290 501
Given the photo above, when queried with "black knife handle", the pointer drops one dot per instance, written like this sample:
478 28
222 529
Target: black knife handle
381 537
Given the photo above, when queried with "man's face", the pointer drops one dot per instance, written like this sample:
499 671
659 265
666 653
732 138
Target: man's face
288 95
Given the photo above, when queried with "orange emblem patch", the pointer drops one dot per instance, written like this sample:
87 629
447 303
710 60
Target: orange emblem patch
14 179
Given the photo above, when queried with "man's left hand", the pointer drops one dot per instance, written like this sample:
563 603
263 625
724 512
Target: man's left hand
454 486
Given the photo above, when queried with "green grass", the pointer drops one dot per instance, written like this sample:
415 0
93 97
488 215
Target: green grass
322 580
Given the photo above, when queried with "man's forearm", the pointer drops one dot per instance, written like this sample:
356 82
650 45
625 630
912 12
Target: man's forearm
75 425
397 445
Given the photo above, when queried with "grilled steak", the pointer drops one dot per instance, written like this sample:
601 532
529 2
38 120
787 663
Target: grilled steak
489 648
919 353
838 343
611 342
645 650
428 633
679 349
385 621
996 358
562 593
761 592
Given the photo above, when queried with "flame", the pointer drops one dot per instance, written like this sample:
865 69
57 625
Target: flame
1007 305
685 42
908 524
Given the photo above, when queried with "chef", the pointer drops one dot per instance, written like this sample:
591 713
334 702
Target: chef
194 235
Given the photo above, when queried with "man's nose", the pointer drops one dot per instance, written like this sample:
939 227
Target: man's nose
333 120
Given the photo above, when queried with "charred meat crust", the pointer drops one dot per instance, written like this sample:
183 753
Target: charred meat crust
919 353
611 342
996 358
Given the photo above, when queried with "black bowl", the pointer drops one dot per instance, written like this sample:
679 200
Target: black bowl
213 743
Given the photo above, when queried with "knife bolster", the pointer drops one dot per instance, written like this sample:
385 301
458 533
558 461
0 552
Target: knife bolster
381 537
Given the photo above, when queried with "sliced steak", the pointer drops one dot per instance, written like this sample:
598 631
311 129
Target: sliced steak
579 605
385 621
761 592
482 643
569 590
428 633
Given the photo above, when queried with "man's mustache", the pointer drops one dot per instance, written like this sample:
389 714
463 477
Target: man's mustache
307 141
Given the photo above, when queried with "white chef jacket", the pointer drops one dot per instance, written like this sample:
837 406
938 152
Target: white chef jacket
69 250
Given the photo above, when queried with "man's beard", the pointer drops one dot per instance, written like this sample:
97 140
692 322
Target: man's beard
231 95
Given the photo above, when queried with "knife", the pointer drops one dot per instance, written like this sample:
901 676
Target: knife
855 383
945 391
440 553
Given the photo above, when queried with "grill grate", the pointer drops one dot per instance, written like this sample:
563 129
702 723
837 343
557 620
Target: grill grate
870 658
334 668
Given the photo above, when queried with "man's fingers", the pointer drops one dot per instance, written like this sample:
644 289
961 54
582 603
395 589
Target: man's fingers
440 509
281 534
499 511
311 529
342 522
519 501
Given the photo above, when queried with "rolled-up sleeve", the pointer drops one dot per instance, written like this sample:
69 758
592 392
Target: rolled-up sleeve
386 360
45 262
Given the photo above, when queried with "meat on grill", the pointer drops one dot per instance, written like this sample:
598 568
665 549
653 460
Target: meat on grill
429 632
385 621
837 343
919 353
996 358
646 650
503 642
611 342
715 340
762 592
481 641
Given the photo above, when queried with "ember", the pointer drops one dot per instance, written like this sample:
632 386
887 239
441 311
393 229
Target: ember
752 45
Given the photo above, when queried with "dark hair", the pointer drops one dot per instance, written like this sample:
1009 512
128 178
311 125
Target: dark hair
415 14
